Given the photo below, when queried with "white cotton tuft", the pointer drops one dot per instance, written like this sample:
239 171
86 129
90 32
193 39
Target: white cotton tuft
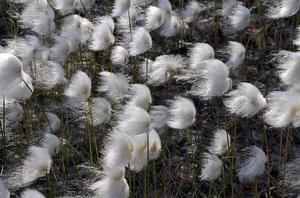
118 150
141 96
120 7
155 18
60 51
159 115
134 120
289 68
141 42
29 193
211 167
3 190
253 166
38 16
283 109
172 25
227 6
160 69
37 164
213 80
165 5
282 8
103 37
119 55
237 52
238 19
220 143
191 10
51 143
13 78
101 111
245 101
48 75
80 87
182 113
64 6
53 121
154 144
139 154
112 185
115 86
13 113
199 53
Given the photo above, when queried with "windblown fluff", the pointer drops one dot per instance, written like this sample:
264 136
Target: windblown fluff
141 96
3 190
113 184
52 124
172 25
237 52
29 193
103 37
227 6
115 86
245 101
37 164
159 115
13 78
252 165
38 16
119 55
159 71
199 53
220 143
154 144
13 113
120 7
289 68
182 113
141 42
283 109
51 143
238 19
213 80
101 111
60 50
282 8
118 150
165 5
134 120
211 167
191 10
155 18
80 87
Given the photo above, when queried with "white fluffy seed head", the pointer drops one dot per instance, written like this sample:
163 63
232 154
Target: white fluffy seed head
245 101
159 115
13 78
60 50
141 96
155 18
165 5
211 167
13 113
191 10
253 166
120 7
237 52
238 19
289 68
115 86
3 190
139 154
154 144
101 111
282 8
227 6
118 150
199 53
213 80
134 120
51 143
220 143
30 193
103 37
182 113
79 88
283 109
119 55
53 121
112 185
141 42
172 25
37 164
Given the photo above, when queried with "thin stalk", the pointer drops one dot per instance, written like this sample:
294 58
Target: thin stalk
4 130
129 20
